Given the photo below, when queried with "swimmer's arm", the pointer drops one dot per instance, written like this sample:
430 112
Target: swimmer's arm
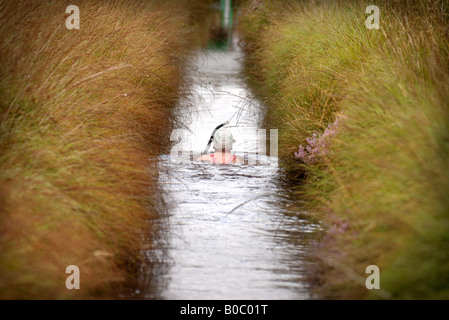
238 160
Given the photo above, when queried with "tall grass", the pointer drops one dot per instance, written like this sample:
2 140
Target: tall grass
81 113
363 118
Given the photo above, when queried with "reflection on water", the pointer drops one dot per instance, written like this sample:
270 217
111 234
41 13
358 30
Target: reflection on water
230 231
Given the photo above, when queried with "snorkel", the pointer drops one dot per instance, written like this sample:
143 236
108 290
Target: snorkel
212 136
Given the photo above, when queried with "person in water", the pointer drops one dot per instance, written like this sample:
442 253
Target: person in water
222 143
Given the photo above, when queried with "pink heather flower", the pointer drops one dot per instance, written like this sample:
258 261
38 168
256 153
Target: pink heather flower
317 145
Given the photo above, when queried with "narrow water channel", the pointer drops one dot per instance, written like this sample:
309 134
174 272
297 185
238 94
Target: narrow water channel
229 231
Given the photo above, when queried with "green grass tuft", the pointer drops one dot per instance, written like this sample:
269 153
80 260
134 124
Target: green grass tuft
380 185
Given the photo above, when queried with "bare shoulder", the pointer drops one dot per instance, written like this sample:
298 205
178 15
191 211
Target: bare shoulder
204 158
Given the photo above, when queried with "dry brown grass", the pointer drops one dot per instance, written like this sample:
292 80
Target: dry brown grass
81 112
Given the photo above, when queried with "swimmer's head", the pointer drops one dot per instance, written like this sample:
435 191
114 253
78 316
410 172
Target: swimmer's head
223 140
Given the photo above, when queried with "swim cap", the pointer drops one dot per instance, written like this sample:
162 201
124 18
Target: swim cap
223 140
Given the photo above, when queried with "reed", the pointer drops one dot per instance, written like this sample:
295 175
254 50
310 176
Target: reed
81 113
363 121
